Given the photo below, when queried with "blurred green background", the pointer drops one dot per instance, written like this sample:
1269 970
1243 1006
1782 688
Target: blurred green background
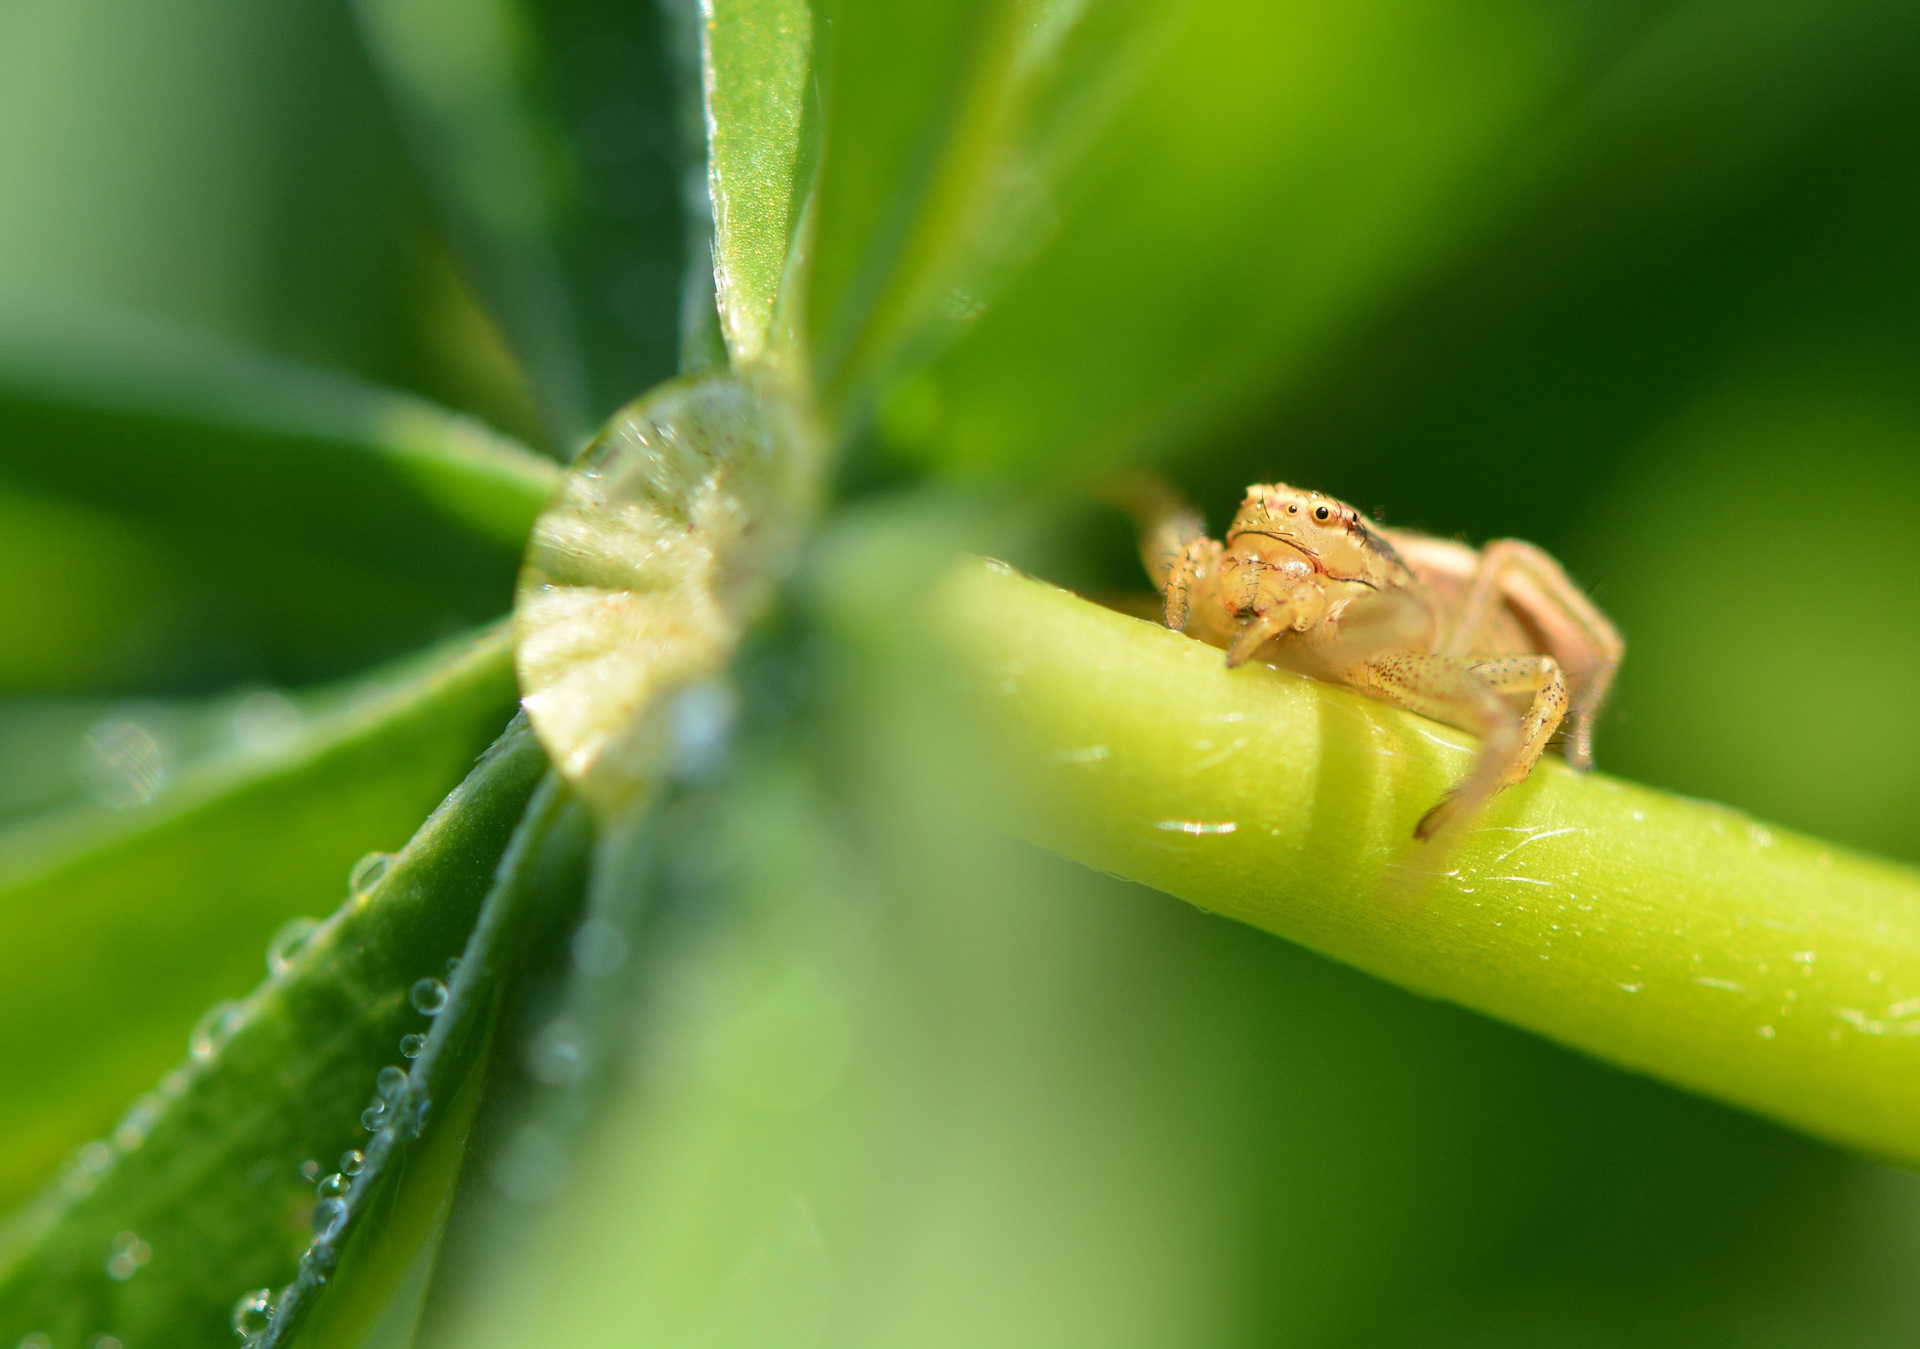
1637 283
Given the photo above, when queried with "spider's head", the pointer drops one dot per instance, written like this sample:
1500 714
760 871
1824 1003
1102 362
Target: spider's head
1341 542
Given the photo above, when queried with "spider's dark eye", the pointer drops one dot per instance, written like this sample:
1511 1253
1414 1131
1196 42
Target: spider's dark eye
1321 513
1293 510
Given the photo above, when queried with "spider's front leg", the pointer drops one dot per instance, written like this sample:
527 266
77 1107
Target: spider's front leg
1194 568
1472 695
1269 600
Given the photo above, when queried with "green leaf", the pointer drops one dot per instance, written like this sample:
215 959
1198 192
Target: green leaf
1174 211
756 68
117 927
200 1195
223 515
1671 936
396 1209
549 132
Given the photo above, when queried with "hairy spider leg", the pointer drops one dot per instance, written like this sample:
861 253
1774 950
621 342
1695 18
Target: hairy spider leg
1472 695
1587 646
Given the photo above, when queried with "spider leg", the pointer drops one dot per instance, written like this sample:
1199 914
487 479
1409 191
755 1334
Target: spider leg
1196 565
1275 612
1578 636
1472 696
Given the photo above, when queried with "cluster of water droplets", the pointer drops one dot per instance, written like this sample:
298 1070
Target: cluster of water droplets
396 1109
130 1256
129 1253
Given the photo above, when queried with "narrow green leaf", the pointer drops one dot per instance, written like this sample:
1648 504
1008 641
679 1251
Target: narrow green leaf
396 1209
549 131
951 128
222 515
118 927
1173 210
1671 936
756 68
203 1192
62 358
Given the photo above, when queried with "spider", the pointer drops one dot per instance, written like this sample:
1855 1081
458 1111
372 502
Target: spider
1466 636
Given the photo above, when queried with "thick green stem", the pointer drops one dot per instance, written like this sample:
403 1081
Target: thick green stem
1664 934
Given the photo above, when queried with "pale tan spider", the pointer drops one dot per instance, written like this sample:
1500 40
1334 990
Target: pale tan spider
1497 641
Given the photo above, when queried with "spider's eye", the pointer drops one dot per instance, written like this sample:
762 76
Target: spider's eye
1293 510
1322 514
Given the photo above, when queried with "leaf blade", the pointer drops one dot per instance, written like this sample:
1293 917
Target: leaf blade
223 515
756 58
212 1180
120 927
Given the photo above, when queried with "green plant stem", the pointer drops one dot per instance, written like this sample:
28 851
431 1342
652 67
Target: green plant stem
1667 935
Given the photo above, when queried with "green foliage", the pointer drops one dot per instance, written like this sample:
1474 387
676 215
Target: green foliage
802 1047
123 925
268 1084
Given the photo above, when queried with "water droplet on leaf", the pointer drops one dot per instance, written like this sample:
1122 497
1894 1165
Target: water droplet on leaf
558 1054
125 766
265 722
329 1216
252 1312
289 942
368 872
214 1028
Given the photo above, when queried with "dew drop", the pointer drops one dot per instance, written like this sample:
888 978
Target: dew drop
412 1045
265 722
289 942
130 1256
391 1083
453 966
373 1117
352 1162
252 1312
599 948
558 1054
329 1216
368 872
125 766
429 996
138 1122
310 1170
214 1028
333 1186
89 1164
